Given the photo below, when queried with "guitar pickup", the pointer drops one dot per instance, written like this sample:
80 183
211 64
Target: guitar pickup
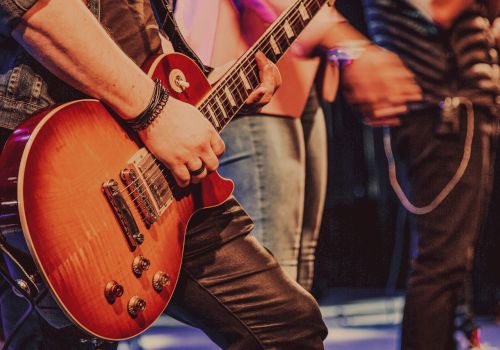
140 196
122 212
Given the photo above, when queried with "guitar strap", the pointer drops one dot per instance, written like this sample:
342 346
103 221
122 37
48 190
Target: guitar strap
168 24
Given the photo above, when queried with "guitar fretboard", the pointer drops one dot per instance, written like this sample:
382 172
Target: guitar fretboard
230 93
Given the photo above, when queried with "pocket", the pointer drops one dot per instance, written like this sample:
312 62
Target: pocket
25 85
13 112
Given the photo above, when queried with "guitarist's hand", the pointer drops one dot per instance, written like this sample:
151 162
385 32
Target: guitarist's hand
270 81
270 78
184 140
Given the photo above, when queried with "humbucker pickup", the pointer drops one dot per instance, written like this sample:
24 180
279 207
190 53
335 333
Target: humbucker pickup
123 214
146 181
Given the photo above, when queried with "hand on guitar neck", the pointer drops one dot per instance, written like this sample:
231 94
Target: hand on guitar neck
184 140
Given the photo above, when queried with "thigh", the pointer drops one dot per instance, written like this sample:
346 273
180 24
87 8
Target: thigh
236 292
315 191
265 158
316 165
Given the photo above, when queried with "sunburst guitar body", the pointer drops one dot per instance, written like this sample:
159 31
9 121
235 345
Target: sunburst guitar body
103 222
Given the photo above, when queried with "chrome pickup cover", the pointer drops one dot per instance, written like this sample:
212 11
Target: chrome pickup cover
145 178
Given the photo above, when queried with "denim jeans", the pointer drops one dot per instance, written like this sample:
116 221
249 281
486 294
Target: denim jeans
446 236
279 166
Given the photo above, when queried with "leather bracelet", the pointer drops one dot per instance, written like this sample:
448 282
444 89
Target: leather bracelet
147 117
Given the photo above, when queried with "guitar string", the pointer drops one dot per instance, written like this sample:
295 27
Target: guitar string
247 63
282 35
244 65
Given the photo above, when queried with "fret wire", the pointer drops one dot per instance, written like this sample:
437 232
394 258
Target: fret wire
318 4
224 99
224 102
298 21
216 112
248 61
227 109
246 64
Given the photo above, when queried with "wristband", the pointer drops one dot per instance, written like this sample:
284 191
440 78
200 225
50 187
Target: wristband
147 117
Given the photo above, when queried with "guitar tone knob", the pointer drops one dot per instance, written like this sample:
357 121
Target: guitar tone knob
160 280
140 264
136 305
138 238
113 290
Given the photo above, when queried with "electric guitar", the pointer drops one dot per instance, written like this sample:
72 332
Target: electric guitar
103 221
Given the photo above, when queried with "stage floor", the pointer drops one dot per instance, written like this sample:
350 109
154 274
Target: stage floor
357 320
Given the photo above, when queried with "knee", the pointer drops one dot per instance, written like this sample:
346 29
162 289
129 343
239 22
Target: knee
306 317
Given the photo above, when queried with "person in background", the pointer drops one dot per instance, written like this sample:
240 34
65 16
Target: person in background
277 157
446 140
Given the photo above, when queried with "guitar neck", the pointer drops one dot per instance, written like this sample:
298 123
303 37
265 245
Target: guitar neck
230 93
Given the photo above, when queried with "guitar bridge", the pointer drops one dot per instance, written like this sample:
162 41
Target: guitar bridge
123 214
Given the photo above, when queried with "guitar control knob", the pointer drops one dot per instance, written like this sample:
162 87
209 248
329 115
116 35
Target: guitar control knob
160 280
136 305
112 291
140 264
138 238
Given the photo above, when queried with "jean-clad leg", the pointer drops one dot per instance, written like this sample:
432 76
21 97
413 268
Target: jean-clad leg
314 129
265 158
279 165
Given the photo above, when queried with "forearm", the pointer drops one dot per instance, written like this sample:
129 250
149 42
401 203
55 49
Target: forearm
67 39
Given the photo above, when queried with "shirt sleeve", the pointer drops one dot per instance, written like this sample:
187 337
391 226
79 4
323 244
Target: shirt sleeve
11 12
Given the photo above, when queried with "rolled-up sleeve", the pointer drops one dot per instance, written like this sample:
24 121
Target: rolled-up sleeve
11 12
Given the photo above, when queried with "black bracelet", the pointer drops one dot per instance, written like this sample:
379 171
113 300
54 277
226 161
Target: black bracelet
153 110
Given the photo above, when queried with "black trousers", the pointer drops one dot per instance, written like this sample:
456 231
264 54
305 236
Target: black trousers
446 236
230 287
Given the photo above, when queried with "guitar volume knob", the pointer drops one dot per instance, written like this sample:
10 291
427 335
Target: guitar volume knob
136 305
160 280
138 238
112 291
140 264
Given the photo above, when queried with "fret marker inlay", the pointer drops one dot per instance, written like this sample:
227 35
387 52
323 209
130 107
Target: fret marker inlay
221 106
303 12
230 97
274 45
288 30
213 117
245 81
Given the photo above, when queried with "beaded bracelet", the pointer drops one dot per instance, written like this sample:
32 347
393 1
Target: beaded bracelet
147 117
